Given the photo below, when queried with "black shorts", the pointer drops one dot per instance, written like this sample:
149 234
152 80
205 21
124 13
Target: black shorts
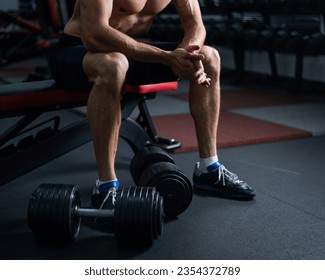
65 63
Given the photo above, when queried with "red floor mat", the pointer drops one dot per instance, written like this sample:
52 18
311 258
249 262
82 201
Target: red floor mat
234 130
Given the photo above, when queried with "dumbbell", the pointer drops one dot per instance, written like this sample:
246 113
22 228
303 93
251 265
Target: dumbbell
153 166
54 214
145 157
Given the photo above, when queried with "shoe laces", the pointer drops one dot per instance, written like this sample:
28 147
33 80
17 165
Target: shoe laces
224 174
111 192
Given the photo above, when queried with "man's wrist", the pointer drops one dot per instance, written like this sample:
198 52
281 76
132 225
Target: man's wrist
167 58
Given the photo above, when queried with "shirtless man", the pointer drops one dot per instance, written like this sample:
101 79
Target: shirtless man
98 52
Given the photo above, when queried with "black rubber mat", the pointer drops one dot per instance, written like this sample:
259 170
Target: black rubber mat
284 221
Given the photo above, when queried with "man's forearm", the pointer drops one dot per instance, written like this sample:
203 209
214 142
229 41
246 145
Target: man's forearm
191 19
193 36
112 40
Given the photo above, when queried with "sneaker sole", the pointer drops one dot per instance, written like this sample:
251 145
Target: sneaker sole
216 190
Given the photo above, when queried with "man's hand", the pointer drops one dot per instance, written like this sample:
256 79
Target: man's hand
200 76
187 64
182 62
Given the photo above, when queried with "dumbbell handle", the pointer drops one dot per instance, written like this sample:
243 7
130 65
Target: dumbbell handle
96 213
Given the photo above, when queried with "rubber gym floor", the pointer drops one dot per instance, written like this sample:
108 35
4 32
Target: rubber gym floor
286 219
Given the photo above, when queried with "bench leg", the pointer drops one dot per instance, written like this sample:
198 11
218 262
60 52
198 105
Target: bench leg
145 120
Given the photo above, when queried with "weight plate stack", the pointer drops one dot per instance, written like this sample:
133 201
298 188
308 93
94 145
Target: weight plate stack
51 212
145 157
139 215
172 184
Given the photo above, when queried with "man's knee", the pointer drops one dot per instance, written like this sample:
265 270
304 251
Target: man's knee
108 69
212 58
113 67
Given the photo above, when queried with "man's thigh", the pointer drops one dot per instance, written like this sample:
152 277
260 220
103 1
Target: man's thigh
67 68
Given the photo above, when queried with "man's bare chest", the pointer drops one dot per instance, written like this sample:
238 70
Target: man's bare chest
139 7
135 16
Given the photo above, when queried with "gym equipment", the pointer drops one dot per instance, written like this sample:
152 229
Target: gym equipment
172 184
145 157
151 166
31 100
23 38
144 119
55 212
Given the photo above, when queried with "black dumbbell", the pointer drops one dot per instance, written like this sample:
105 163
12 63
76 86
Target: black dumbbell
54 214
152 166
145 157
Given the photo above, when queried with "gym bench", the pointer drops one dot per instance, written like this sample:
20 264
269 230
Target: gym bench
26 145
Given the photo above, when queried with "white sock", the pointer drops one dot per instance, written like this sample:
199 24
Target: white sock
206 162
110 183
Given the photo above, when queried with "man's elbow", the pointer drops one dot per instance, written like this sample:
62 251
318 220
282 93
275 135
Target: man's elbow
94 39
91 42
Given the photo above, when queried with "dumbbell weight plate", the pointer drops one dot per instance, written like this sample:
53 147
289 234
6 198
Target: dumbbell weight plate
140 217
120 214
134 216
131 221
171 183
145 157
51 212
149 212
158 215
161 214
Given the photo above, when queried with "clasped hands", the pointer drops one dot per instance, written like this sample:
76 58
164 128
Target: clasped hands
188 64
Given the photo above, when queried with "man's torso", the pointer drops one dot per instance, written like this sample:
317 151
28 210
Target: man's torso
132 17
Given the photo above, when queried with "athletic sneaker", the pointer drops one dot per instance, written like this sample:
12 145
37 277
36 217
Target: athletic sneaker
105 201
222 181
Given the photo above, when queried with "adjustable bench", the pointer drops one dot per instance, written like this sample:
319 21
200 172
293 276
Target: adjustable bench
28 144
